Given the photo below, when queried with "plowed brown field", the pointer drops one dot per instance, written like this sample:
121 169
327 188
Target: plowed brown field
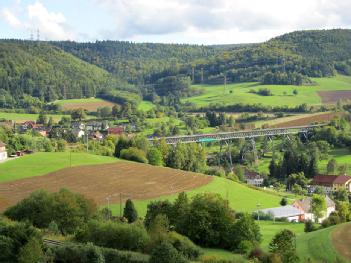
342 240
333 96
133 180
89 106
324 117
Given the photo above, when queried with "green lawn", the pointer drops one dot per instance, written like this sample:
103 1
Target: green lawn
270 228
282 94
22 117
317 246
146 105
221 254
342 157
241 198
42 163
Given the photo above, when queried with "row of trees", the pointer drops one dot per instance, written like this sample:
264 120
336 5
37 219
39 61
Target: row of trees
190 157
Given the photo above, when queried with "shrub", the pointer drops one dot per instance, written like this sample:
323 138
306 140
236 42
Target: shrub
309 226
114 235
184 245
130 212
166 253
134 154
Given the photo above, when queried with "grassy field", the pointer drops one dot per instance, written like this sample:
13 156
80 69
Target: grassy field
270 228
146 105
221 254
282 94
90 104
22 117
317 246
42 163
241 198
342 157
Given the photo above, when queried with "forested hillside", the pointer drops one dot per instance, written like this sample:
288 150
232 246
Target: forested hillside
163 72
136 62
43 71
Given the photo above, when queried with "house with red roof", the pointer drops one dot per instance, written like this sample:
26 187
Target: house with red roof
331 183
115 130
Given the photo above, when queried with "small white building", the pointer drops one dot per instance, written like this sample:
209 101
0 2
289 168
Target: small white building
3 152
291 213
78 132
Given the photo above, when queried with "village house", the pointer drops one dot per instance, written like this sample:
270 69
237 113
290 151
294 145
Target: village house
331 183
304 206
3 152
253 178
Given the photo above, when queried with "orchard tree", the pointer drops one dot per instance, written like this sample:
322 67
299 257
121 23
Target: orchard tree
284 245
318 206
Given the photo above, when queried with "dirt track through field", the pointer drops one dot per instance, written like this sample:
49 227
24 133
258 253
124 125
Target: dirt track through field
333 96
133 180
341 238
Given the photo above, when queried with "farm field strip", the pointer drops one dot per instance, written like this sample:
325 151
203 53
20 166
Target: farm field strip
341 238
90 104
132 180
282 94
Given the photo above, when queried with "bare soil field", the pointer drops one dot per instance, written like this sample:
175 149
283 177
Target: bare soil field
329 97
89 106
323 117
341 238
99 182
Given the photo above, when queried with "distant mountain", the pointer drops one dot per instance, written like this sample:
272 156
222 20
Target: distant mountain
44 71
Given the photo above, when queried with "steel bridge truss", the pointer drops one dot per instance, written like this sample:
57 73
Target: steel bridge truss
227 136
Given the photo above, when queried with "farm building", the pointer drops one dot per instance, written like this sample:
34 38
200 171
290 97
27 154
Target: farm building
304 205
253 178
291 213
331 183
3 152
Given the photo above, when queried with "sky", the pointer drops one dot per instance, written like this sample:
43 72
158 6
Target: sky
168 21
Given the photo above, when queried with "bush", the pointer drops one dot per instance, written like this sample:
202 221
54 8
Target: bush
134 154
115 235
309 226
81 253
184 245
130 212
166 253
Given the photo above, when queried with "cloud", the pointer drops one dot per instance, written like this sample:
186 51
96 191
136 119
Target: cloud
52 25
10 18
136 18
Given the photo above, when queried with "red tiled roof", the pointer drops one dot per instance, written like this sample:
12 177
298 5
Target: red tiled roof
115 130
342 179
330 179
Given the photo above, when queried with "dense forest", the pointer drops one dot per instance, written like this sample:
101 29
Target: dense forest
45 72
113 69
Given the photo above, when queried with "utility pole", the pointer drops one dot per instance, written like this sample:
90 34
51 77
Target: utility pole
120 205
202 75
193 74
225 83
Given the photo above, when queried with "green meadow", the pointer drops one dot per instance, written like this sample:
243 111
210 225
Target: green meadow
22 117
282 94
241 198
42 163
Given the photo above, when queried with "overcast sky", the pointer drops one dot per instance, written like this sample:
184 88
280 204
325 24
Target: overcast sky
169 21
